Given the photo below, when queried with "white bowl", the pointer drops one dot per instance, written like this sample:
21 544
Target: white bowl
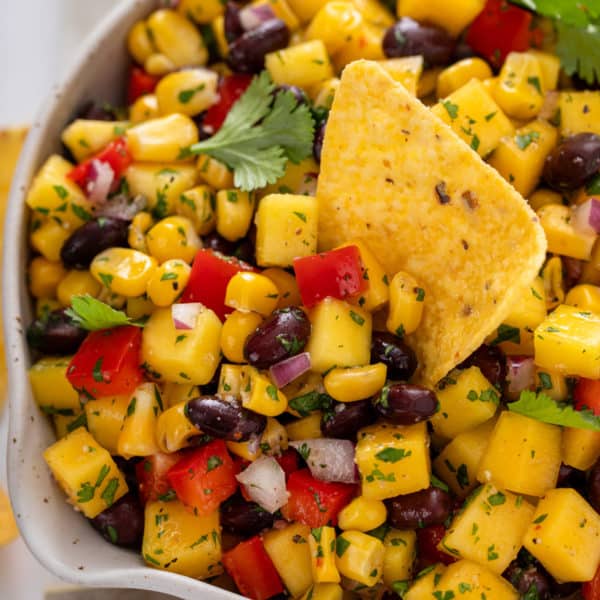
59 537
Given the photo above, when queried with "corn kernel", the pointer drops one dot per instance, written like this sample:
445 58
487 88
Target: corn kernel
144 109
374 13
86 137
355 383
44 306
334 22
405 70
324 93
289 293
158 64
48 239
199 206
451 17
139 43
282 11
580 447
173 237
168 282
306 9
542 197
218 29
321 543
550 66
400 554
552 274
123 271
76 283
248 292
306 428
360 557
234 213
585 296
231 379
136 237
44 277
461 72
362 514
215 173
263 397
202 11
236 329
406 304
428 82
174 430
187 92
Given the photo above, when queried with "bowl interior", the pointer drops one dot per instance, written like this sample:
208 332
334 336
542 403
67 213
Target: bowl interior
57 536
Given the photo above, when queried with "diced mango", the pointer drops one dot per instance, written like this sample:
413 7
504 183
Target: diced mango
451 17
299 179
579 112
303 65
406 70
580 447
425 583
321 543
400 554
360 557
50 387
458 74
201 11
374 12
366 43
585 297
105 418
550 66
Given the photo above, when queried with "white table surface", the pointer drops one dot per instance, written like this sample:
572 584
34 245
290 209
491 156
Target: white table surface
38 39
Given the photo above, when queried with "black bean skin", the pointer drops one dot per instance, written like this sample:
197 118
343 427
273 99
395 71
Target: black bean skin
247 53
318 142
393 352
219 244
523 579
224 419
233 27
346 419
407 37
123 523
431 506
244 518
571 477
282 335
573 162
55 334
92 238
593 486
405 404
491 362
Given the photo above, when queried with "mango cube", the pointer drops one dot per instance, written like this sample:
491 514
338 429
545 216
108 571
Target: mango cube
51 389
307 428
425 583
565 536
534 449
400 554
341 335
321 543
286 228
393 460
580 447
176 540
105 417
473 534
406 70
359 557
86 472
466 399
451 17
579 112
568 341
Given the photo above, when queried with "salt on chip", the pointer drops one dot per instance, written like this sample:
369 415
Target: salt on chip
394 175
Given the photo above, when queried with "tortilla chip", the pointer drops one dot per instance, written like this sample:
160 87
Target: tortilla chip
394 175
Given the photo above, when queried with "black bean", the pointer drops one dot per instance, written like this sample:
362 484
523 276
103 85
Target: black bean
92 238
232 24
491 362
528 580
244 518
282 335
247 53
407 37
564 590
345 419
123 523
224 419
399 358
318 142
570 477
95 112
593 486
572 271
55 334
127 466
431 506
462 51
405 404
573 162
219 244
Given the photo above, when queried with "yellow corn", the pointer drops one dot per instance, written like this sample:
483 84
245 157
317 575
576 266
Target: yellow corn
282 11
48 239
248 292
585 296
236 329
218 29
322 551
199 206
44 277
144 109
174 393
304 65
85 137
161 140
591 269
139 43
137 231
355 383
173 237
307 428
360 557
234 213
159 64
50 387
405 70
44 306
231 379
215 173
274 439
261 396
324 93
76 283
365 43
177 38
123 271
406 304
202 11
580 447
289 294
246 450
552 384
187 92
542 197
104 418
168 282
550 65
306 9
139 307
174 430
374 12
461 72
362 514
552 274
334 22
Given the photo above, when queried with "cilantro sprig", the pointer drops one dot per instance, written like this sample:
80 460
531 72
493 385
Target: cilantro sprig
91 314
260 134
545 409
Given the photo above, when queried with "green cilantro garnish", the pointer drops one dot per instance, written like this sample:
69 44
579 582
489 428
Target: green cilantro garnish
524 140
91 314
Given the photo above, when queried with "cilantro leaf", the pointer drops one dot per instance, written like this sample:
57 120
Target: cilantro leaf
545 409
91 314
260 135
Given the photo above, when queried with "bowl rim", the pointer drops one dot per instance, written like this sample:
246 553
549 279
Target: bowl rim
15 297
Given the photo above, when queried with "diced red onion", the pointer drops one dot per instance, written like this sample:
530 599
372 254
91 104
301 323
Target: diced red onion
520 374
264 482
122 207
586 216
100 181
253 16
184 315
287 370
328 459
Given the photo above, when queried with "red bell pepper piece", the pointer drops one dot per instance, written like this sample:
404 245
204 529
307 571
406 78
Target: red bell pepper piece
590 590
115 154
337 273
289 461
587 395
140 83
151 475
211 272
499 29
107 363
231 88
428 539
253 570
204 477
315 503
